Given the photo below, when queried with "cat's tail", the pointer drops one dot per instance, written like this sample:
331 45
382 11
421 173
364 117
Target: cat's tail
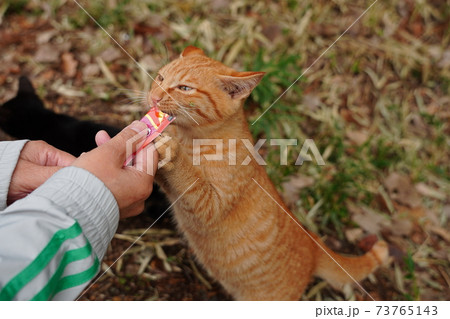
339 270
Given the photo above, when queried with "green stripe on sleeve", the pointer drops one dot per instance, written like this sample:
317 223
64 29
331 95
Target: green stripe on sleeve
69 256
40 262
78 279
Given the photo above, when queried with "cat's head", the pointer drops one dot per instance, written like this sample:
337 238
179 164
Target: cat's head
196 88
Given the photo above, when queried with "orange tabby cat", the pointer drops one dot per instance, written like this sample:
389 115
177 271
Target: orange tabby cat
249 242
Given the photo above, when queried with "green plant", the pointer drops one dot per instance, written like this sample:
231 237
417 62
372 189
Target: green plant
281 120
15 6
411 277
104 15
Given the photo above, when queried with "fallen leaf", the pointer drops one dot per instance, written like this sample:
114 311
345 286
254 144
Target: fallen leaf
446 211
418 214
385 200
418 237
401 226
357 137
441 232
348 116
110 54
105 70
353 234
149 63
67 91
47 53
367 242
218 5
396 253
293 186
398 278
445 61
401 189
14 69
90 70
428 191
45 36
47 75
69 64
144 29
272 31
311 101
368 220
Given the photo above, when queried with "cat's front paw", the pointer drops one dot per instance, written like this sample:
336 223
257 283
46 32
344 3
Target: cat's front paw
167 149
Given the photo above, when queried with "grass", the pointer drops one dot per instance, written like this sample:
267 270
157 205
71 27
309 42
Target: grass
376 103
410 276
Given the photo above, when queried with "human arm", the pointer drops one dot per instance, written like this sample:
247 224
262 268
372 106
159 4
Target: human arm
52 241
9 156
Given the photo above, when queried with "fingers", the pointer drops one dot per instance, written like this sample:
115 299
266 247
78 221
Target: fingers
41 153
52 156
128 140
27 177
102 137
129 186
147 160
61 158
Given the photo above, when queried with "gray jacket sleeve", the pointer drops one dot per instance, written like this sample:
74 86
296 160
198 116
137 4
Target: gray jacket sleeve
9 154
52 241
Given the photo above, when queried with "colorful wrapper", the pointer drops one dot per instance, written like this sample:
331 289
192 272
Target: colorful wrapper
156 122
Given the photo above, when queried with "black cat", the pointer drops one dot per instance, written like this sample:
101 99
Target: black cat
25 117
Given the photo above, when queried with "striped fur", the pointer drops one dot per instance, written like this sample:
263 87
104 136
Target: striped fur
240 235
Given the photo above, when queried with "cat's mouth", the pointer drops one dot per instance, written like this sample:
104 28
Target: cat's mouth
171 113
167 110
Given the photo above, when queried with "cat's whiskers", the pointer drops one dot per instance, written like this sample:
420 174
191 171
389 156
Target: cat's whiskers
133 100
135 97
133 93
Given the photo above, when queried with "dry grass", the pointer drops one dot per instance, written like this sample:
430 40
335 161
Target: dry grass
376 105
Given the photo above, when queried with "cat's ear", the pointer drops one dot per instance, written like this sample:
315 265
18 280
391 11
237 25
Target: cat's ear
191 50
25 86
241 84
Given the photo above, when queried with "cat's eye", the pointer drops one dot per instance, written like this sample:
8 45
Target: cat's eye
159 78
184 88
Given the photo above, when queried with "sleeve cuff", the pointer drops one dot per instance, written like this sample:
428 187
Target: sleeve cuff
9 155
85 198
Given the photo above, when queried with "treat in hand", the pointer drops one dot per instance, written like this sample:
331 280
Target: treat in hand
156 122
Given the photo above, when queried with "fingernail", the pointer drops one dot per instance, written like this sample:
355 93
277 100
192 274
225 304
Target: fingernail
138 126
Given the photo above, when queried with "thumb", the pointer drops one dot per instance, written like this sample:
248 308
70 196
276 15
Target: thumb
101 137
128 140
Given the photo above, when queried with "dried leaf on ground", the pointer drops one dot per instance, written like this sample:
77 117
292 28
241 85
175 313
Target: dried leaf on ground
47 53
110 54
401 189
69 64
367 219
428 191
293 186
357 137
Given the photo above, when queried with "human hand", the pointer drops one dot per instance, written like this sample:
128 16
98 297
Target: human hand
130 185
167 148
37 162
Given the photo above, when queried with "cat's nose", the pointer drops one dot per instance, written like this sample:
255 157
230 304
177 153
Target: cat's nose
155 99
